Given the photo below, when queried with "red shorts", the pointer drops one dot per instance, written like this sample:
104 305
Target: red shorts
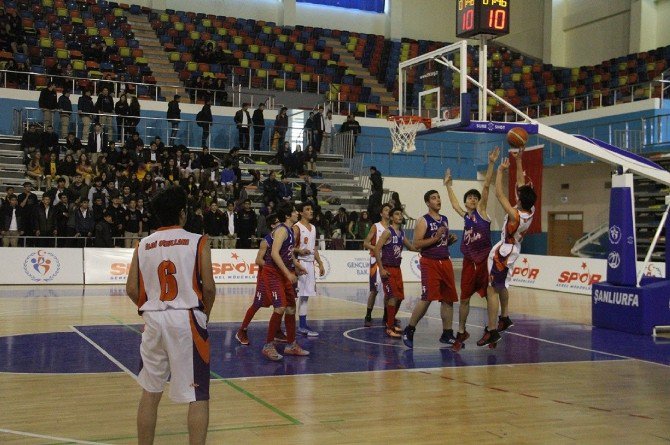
437 280
474 279
393 286
277 290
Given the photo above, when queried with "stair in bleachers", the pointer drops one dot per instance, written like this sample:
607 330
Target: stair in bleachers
12 170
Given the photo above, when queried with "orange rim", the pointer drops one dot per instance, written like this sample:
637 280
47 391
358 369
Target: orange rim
411 120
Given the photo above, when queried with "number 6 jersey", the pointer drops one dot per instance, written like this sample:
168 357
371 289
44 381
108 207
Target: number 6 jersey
169 265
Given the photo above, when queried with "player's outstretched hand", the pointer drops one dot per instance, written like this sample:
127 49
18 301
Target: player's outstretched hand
452 239
517 153
447 178
493 155
504 165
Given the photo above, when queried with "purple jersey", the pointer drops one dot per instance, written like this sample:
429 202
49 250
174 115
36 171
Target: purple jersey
476 242
439 250
392 250
285 251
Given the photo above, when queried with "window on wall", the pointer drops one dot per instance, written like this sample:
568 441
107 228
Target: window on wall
363 5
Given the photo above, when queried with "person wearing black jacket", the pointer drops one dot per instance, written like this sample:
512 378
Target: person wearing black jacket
62 215
104 106
103 231
122 109
118 217
213 224
319 125
204 120
259 125
48 103
133 119
207 163
351 126
49 146
97 143
86 110
27 203
280 128
65 108
72 144
84 222
243 121
246 225
31 140
173 116
376 192
45 219
12 222
308 191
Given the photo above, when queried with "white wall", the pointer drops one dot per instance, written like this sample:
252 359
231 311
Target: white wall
339 18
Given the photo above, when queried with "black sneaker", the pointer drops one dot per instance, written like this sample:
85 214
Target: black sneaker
489 337
367 322
448 337
504 323
408 336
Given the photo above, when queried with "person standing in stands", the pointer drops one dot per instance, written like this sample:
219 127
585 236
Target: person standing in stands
48 103
104 106
353 128
173 116
133 119
65 108
122 109
259 125
243 121
319 127
86 109
280 129
204 120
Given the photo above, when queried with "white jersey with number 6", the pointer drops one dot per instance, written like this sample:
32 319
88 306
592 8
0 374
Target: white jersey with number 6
169 265
306 240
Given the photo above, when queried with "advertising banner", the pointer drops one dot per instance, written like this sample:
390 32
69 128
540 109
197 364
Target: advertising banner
41 265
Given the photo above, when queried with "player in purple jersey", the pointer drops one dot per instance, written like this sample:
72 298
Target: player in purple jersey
475 244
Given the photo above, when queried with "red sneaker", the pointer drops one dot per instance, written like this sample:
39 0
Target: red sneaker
241 336
391 332
295 349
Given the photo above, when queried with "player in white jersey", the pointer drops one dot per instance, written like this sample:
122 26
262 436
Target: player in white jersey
171 282
306 254
375 279
503 255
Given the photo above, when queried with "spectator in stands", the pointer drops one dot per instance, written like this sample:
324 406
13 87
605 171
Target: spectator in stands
195 222
243 122
12 222
98 191
309 160
9 191
227 179
208 163
45 222
280 129
309 128
78 188
65 110
246 225
352 232
145 216
86 110
213 224
102 167
204 120
84 224
35 169
173 116
308 191
376 192
98 209
55 192
285 190
85 169
107 83
122 110
27 203
364 225
319 124
49 145
160 146
133 225
73 144
48 102
31 140
97 143
230 226
62 215
104 106
67 169
126 195
192 166
171 172
135 143
133 119
352 127
104 231
118 217
327 143
220 94
271 189
259 125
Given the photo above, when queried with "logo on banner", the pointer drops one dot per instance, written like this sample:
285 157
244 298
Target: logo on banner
236 268
41 266
653 271
578 279
525 273
415 266
326 266
614 260
629 240
615 234
359 266
616 298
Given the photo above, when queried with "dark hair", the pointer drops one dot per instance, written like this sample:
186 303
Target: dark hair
284 210
372 167
427 195
300 207
396 209
473 192
168 204
527 197
386 204
271 219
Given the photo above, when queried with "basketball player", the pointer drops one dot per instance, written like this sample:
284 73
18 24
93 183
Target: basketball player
475 244
171 282
375 279
280 278
305 249
388 253
506 251
432 238
266 243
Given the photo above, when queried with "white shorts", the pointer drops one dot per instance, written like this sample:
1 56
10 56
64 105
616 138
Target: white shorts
175 345
307 282
500 262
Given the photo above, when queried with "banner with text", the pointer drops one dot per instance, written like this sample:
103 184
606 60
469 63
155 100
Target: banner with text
41 266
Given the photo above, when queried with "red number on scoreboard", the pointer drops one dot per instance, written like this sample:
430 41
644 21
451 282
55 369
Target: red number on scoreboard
469 19
497 18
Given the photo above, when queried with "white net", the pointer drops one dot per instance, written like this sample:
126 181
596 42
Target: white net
403 132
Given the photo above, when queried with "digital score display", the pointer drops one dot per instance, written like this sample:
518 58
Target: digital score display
475 17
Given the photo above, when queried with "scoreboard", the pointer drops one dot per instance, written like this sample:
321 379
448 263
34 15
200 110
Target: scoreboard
476 17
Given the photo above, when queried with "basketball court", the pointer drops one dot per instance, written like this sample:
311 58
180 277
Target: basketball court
70 356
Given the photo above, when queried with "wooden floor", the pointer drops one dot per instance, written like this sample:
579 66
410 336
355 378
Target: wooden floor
608 401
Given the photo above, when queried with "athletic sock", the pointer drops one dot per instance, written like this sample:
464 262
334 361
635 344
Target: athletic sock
273 326
303 321
385 316
368 313
249 316
390 320
289 320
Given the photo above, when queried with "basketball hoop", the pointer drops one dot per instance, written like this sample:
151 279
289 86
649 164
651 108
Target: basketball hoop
403 131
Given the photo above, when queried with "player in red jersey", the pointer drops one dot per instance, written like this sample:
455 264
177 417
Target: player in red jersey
475 243
388 252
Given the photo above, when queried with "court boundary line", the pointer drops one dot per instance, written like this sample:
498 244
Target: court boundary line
105 353
43 436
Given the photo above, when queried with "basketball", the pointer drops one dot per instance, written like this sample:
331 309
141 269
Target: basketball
517 137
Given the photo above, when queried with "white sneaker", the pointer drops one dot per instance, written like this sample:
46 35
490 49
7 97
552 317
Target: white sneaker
307 332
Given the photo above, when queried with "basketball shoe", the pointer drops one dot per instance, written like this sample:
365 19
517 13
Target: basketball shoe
391 332
448 337
270 352
307 332
295 349
408 336
367 322
489 337
460 340
241 336
280 337
504 323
